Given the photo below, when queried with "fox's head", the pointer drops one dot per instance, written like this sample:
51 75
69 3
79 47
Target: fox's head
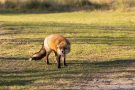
63 48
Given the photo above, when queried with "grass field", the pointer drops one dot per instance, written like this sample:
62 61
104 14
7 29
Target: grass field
102 54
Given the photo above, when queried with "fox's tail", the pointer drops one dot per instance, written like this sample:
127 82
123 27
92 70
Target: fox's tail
39 55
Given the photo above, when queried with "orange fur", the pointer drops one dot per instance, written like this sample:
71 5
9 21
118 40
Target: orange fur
56 43
56 40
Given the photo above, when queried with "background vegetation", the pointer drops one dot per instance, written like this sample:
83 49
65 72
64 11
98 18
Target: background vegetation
67 5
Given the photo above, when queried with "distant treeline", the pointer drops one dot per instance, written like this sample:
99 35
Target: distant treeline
64 5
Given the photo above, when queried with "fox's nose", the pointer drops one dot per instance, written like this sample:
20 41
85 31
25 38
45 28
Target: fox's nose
63 52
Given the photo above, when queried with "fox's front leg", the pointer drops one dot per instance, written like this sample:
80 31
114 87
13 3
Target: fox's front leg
58 57
65 64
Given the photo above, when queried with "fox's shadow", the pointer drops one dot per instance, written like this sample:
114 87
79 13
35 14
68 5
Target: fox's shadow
13 58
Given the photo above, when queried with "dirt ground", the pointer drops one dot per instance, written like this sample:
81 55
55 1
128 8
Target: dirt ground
117 80
106 84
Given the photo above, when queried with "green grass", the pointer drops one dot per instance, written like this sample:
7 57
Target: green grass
103 47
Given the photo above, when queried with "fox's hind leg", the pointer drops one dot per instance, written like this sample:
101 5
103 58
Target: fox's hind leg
47 56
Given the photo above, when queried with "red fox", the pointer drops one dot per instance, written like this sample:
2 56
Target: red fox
56 43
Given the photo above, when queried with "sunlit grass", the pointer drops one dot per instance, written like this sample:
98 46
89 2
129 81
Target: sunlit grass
102 18
102 43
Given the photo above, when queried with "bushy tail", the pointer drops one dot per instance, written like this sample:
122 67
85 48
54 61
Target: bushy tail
39 55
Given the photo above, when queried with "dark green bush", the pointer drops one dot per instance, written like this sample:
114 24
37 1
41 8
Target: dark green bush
65 5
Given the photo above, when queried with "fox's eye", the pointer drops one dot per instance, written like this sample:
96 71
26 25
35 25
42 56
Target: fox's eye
60 48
